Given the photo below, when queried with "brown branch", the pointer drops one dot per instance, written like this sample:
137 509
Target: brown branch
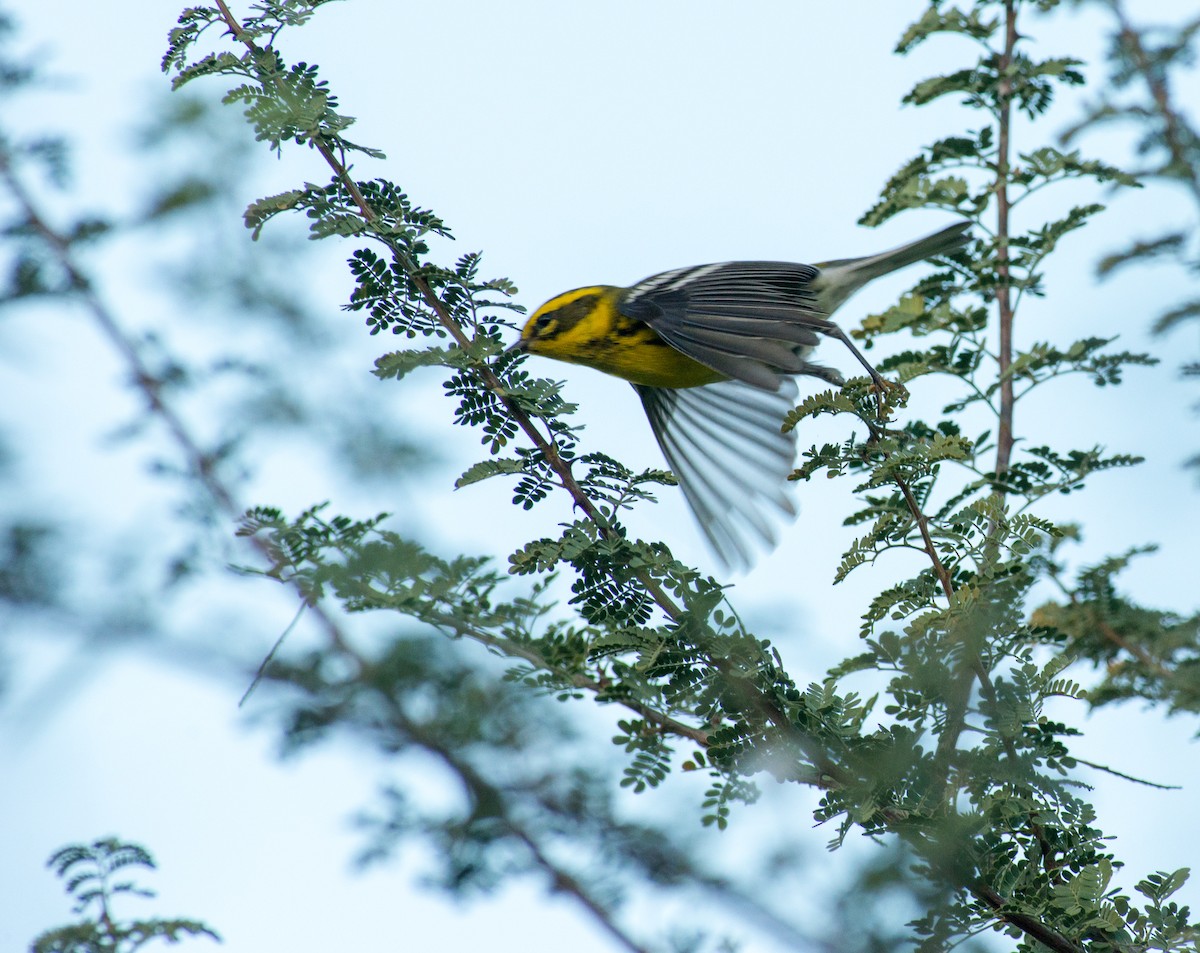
565 882
1004 434
1026 924
922 522
1137 651
958 696
1112 635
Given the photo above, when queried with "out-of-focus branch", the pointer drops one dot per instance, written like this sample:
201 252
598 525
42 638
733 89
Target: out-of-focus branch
201 463
1175 132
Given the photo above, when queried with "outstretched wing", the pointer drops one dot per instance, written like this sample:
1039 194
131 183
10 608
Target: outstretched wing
725 443
755 321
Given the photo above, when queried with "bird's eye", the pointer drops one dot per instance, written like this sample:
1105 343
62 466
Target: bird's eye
543 321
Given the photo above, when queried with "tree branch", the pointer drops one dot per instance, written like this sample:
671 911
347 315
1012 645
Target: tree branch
1004 435
922 522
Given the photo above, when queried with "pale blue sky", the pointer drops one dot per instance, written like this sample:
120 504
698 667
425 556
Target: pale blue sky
573 144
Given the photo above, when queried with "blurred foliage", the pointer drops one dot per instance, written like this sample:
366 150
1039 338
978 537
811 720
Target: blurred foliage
226 358
1150 67
1147 654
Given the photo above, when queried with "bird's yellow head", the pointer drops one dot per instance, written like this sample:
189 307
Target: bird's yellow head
568 325
586 326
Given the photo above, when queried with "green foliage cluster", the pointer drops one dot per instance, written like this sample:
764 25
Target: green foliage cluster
90 872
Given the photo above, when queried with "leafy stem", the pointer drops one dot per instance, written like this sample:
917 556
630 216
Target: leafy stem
1004 436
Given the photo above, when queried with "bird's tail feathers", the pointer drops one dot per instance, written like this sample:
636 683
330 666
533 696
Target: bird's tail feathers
839 279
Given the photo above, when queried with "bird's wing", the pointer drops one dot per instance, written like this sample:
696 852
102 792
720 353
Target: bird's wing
755 321
726 445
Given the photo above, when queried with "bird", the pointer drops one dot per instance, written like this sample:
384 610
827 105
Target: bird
713 352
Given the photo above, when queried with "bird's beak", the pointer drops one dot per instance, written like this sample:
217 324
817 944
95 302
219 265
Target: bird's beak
516 347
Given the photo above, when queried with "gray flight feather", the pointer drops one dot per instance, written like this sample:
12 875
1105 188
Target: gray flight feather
726 446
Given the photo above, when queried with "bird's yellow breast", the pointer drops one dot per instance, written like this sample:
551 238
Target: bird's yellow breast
584 326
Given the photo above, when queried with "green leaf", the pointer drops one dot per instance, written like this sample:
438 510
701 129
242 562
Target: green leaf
397 364
488 468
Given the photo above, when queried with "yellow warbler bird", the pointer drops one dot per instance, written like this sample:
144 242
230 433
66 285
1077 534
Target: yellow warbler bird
712 351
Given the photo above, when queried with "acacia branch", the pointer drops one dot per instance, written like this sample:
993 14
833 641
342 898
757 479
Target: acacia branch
1028 925
922 522
1004 434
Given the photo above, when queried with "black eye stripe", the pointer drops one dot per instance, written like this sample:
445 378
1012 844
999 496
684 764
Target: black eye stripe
571 313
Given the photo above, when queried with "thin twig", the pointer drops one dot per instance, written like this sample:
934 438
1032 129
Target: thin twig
1004 434
1127 777
922 522
270 656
